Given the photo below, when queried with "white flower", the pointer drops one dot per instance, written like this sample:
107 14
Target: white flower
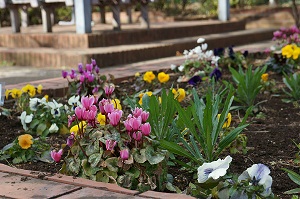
213 170
53 128
258 174
55 108
181 68
74 102
214 60
200 40
173 66
33 103
197 50
204 46
25 119
209 54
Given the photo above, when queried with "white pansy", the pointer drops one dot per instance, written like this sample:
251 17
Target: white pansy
53 128
181 68
209 54
214 170
55 108
204 46
258 174
74 102
173 66
25 119
214 60
198 50
33 103
200 40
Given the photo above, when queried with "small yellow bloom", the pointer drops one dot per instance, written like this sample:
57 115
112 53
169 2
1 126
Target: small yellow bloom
46 97
15 93
101 119
7 92
227 121
117 104
137 74
296 52
39 89
77 129
179 94
149 93
163 77
265 77
149 76
25 141
30 89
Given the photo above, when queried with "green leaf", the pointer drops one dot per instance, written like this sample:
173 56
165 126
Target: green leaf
102 176
112 164
92 148
152 156
95 158
139 155
34 123
74 165
293 191
87 169
293 176
41 128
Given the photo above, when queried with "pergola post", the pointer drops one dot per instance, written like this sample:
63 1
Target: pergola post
223 10
83 16
15 19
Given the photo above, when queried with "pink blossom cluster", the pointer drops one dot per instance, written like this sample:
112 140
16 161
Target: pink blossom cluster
136 125
289 35
88 110
86 74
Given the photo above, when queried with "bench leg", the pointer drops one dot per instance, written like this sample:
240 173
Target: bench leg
116 22
129 16
24 17
144 16
15 19
102 14
46 19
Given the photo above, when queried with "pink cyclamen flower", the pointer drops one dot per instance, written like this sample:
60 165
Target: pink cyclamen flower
101 105
73 74
97 69
87 102
56 156
137 135
137 112
80 112
91 77
82 78
89 67
80 68
71 139
145 116
124 154
135 123
114 117
94 62
146 129
95 90
110 144
64 74
109 90
108 108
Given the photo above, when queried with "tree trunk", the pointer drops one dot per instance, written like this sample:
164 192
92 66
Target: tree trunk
296 14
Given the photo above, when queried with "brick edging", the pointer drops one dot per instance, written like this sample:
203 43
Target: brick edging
90 183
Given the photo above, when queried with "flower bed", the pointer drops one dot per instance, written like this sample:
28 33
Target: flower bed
133 150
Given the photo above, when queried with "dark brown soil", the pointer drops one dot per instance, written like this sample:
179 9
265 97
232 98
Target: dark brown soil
270 141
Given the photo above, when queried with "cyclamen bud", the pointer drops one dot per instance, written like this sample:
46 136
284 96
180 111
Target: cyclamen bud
137 135
71 139
64 74
94 62
144 116
146 129
124 154
109 90
97 69
80 68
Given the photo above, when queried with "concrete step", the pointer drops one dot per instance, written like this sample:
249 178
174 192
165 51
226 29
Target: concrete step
124 54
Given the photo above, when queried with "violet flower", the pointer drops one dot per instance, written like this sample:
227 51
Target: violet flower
64 74
94 62
216 73
80 68
71 139
194 80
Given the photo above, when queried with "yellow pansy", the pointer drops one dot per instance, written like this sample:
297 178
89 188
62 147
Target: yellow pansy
39 89
15 93
75 128
30 89
296 52
149 76
163 77
149 93
179 94
101 119
265 77
227 121
117 104
25 141
287 51
7 92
